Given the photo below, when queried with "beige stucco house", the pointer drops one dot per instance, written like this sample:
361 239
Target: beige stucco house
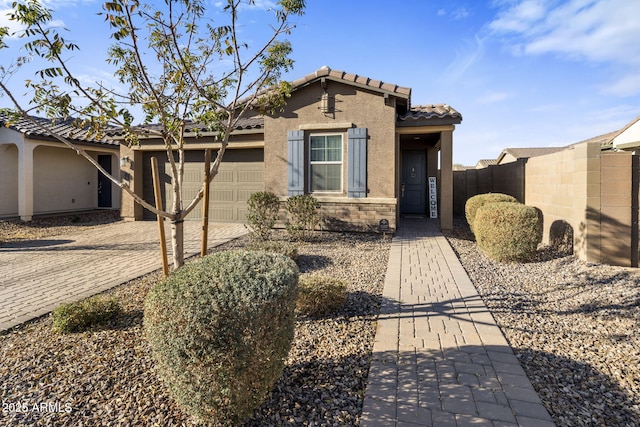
40 175
356 144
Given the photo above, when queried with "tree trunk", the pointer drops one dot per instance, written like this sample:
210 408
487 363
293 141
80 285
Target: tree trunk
177 243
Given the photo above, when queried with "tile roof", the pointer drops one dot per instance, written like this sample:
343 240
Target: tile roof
432 111
353 79
483 163
527 152
245 123
62 127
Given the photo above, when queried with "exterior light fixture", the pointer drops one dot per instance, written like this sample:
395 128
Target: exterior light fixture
124 161
324 103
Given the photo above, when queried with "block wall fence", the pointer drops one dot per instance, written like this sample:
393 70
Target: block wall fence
588 198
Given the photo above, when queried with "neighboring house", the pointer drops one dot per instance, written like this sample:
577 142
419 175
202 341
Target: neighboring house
485 163
627 138
41 175
356 144
510 155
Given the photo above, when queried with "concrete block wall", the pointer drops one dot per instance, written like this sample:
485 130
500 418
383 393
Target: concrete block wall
589 198
565 186
619 209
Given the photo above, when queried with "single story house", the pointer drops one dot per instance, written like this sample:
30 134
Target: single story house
356 144
510 155
40 175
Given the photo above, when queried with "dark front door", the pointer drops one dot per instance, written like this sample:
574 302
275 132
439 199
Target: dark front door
414 182
104 185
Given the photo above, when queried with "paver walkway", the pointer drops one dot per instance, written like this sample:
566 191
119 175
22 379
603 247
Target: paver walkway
439 359
37 276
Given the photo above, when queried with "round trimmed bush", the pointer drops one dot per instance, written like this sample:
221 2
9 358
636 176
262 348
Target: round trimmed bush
219 330
288 249
474 203
508 231
319 296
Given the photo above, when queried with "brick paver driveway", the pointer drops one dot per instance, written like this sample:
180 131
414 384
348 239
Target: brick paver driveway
36 276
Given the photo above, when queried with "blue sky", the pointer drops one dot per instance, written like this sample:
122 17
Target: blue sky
523 73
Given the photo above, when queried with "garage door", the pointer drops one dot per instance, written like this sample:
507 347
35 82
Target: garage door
241 174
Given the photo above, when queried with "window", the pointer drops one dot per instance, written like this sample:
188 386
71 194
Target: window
325 160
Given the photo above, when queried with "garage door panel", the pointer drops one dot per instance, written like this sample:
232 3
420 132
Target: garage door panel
241 174
222 195
251 176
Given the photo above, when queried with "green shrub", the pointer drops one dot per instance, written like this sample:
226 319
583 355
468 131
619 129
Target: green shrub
262 214
287 249
474 203
508 231
220 328
303 216
82 315
319 295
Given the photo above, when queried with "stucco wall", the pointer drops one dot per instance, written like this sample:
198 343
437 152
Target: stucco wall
8 180
355 107
63 181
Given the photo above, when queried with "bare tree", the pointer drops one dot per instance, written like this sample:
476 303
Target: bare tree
178 68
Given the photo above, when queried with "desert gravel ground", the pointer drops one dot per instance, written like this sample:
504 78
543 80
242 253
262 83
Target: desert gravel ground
105 377
574 326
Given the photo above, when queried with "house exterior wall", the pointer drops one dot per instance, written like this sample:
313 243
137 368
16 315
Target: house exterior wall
63 181
8 180
354 107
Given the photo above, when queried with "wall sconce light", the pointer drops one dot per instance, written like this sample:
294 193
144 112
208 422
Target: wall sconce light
124 161
324 103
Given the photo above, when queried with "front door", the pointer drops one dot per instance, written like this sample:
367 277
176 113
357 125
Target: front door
104 185
414 182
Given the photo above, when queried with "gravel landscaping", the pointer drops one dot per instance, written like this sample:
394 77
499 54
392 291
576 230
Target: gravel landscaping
574 326
105 377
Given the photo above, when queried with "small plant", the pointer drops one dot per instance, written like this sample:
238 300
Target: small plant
319 296
303 216
474 203
262 214
220 329
82 315
287 249
508 231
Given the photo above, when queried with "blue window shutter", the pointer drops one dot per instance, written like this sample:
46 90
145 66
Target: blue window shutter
357 153
295 156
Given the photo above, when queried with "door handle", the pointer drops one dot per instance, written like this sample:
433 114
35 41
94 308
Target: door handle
402 191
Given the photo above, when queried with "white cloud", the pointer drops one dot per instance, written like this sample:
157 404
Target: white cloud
460 13
6 22
464 60
257 4
603 31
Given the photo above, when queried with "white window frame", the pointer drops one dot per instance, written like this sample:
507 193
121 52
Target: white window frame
341 163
